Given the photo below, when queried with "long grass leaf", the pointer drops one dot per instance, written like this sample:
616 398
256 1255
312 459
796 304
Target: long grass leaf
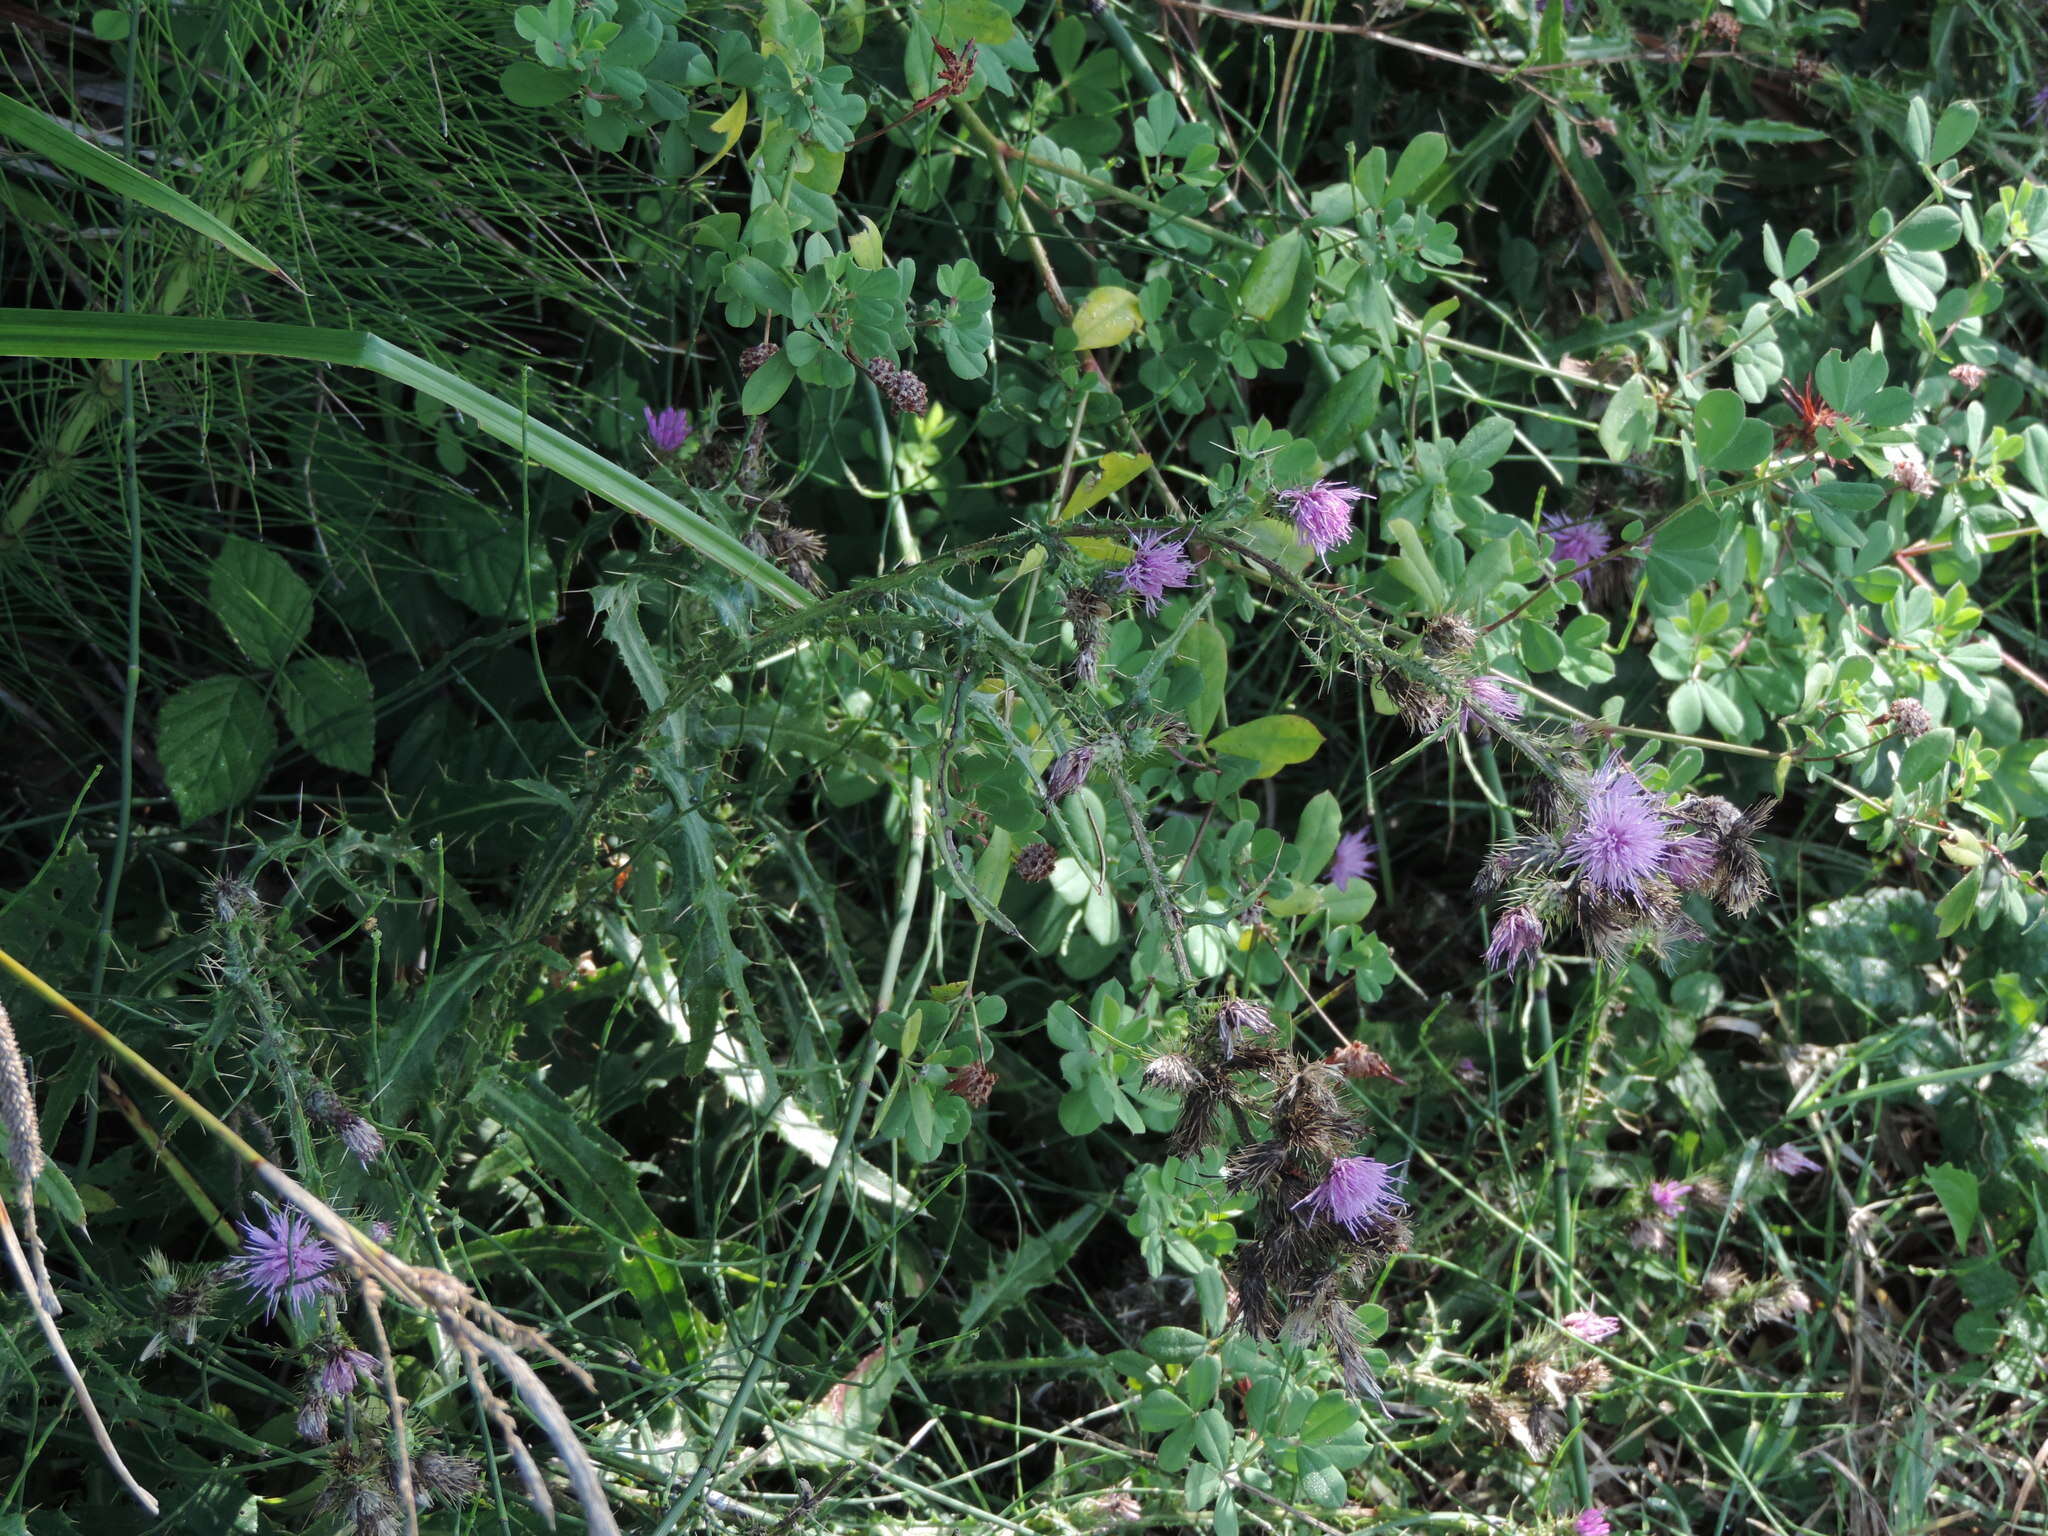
34 131
141 338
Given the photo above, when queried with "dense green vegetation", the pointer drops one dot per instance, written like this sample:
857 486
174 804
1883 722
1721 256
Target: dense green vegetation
998 767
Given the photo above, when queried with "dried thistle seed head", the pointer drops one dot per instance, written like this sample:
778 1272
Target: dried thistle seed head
1356 1060
1780 1301
973 1083
1086 666
1035 862
1593 1376
1172 1074
753 357
1307 1114
1722 1281
791 543
1257 1165
1649 1234
1499 1418
446 1480
1195 1130
1422 708
1085 608
1448 635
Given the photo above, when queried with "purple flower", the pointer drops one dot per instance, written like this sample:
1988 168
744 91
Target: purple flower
1789 1160
1353 859
363 1139
1516 938
669 430
1069 771
1358 1193
2040 106
341 1366
1668 1195
1591 1522
1581 540
1493 696
1157 562
1322 513
1621 841
1690 862
283 1261
1590 1326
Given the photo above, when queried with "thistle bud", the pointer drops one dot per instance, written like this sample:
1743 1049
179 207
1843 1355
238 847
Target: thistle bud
1069 771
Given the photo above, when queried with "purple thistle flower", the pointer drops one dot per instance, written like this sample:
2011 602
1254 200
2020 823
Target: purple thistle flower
283 1261
313 1413
1353 859
1516 938
1322 513
1789 1160
1621 841
1668 1195
1592 1522
2040 106
1589 1326
1493 696
342 1365
1359 1192
1069 771
669 430
363 1139
1581 540
1157 562
1690 862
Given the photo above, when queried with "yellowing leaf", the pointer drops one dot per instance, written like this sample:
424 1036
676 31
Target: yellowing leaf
1274 742
1116 471
866 246
1106 317
1106 550
730 124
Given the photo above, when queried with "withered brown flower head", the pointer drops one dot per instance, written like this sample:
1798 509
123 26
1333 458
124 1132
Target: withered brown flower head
973 1083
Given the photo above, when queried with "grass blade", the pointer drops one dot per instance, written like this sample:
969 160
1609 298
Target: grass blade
141 338
58 144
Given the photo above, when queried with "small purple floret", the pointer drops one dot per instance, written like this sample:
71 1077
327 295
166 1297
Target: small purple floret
1620 843
1516 938
1492 696
283 1261
1590 1326
1157 563
1689 862
1358 1193
1353 859
1592 1522
342 1369
667 430
1789 1160
1668 1195
1580 540
1322 513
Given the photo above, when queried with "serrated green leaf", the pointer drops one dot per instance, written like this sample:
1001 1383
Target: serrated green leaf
1033 1263
328 706
214 738
264 605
